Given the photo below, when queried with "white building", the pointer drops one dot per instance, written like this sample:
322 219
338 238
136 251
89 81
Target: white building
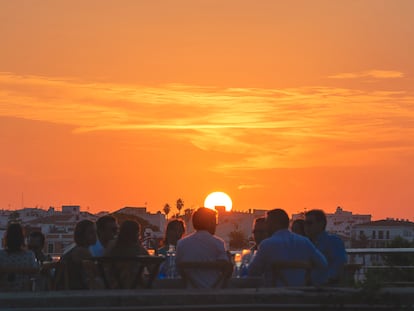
381 232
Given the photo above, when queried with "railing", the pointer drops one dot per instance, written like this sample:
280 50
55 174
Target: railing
362 265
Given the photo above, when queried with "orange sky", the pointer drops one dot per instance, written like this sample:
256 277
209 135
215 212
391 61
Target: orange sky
290 104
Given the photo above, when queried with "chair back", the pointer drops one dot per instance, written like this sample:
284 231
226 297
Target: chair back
223 270
18 278
57 275
278 267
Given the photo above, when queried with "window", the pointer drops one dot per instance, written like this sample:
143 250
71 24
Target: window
373 235
380 234
50 248
388 234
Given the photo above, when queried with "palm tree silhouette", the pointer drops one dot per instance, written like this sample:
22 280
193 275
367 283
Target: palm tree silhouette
167 209
179 204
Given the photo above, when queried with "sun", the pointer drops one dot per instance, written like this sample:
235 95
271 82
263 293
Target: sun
218 199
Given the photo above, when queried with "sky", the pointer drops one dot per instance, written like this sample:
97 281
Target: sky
280 104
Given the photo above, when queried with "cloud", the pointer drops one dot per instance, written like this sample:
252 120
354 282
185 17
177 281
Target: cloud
377 74
254 186
255 128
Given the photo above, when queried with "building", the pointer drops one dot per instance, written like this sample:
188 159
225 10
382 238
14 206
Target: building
381 232
157 219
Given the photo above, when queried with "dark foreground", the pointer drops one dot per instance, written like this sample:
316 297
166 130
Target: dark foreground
224 299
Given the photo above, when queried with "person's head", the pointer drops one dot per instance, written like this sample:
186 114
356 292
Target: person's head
129 233
298 227
174 231
205 219
36 241
14 237
276 220
260 231
85 233
106 229
315 223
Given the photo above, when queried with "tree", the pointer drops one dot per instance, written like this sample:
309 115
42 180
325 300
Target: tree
238 240
167 209
179 204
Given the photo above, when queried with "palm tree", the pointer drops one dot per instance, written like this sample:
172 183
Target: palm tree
167 209
179 204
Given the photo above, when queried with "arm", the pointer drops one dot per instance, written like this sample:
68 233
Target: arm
338 258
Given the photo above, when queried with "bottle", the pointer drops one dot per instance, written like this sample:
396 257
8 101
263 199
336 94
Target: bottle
171 269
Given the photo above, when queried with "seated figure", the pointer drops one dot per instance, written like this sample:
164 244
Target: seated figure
284 246
328 244
84 236
203 245
15 257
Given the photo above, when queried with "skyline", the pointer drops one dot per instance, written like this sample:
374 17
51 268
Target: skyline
293 105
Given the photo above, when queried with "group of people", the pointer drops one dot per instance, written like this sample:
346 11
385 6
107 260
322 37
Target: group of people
306 240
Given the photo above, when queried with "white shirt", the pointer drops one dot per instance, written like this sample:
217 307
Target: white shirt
201 246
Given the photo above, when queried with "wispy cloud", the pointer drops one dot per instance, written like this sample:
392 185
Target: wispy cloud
260 128
248 186
377 74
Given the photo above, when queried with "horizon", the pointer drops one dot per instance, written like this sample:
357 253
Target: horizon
295 105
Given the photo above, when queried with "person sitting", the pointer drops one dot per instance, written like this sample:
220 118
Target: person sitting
36 243
106 230
123 274
298 227
84 236
283 245
329 244
174 231
14 256
203 245
260 232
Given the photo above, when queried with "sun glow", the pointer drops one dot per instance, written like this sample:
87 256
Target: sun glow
218 199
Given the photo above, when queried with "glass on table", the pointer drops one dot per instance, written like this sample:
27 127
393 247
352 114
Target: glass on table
238 262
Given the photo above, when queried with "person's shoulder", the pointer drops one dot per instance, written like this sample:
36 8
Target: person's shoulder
334 238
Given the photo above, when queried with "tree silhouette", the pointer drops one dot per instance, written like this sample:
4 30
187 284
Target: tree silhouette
167 209
238 240
179 204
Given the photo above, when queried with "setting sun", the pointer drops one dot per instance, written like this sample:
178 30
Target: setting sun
218 199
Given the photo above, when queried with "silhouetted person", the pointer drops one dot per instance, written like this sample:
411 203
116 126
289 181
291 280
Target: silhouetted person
106 230
202 245
84 236
15 256
298 227
284 245
174 231
260 232
127 244
330 245
36 243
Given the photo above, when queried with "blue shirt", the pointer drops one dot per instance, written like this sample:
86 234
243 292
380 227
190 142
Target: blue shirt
334 250
287 246
97 250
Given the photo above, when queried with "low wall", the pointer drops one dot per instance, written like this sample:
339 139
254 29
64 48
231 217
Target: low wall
224 299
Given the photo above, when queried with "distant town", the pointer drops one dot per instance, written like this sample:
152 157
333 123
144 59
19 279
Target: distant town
356 230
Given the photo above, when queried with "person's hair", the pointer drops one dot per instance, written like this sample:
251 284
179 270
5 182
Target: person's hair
259 220
14 238
319 215
174 225
128 233
40 235
301 224
103 221
80 232
277 219
204 219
